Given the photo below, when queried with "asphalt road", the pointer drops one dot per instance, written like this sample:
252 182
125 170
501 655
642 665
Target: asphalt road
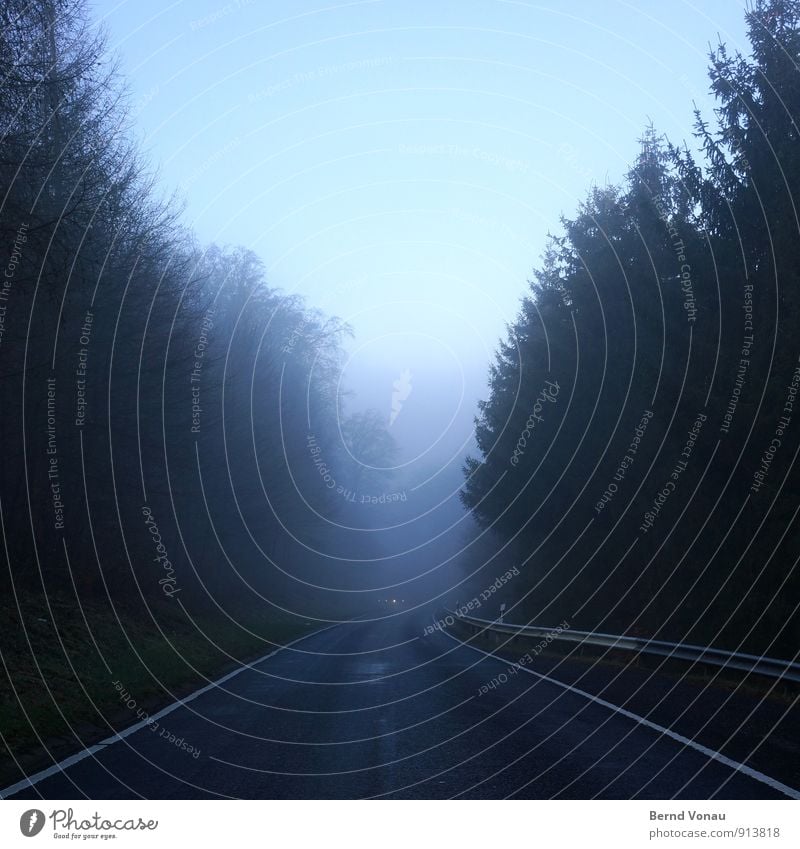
376 709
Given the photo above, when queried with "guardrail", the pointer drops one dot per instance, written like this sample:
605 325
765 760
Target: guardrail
756 664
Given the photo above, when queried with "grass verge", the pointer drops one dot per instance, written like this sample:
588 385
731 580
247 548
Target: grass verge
58 662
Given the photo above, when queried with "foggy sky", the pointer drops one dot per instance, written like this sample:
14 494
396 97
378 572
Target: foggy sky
401 163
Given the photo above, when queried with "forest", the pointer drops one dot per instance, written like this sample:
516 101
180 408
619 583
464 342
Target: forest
144 375
157 398
180 459
654 491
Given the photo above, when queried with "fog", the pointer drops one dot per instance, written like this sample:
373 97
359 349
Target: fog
402 173
394 343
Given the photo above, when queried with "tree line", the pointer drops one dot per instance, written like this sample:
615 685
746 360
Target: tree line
158 396
638 445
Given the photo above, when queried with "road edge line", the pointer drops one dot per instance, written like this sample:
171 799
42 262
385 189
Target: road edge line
641 720
71 760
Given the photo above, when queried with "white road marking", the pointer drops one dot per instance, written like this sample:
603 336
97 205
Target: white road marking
26 783
673 735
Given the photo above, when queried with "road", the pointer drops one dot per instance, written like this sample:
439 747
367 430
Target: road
376 709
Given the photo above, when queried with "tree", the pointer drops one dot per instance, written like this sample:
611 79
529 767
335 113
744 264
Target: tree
667 312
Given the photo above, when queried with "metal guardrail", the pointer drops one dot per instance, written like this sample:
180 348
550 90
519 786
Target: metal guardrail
755 664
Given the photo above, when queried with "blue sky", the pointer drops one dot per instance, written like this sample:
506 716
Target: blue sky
400 163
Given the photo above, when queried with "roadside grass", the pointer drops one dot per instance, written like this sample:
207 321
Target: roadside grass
57 693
